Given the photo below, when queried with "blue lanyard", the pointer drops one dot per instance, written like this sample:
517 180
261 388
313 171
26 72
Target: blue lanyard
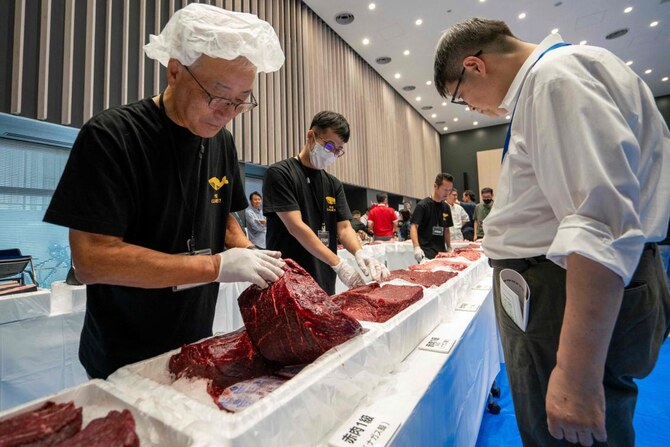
509 129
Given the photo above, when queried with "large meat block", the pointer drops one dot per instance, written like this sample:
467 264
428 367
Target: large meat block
294 321
377 304
117 429
44 426
225 359
423 278
435 263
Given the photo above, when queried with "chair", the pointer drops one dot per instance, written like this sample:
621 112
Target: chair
13 266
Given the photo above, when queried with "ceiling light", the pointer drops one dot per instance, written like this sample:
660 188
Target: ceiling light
371 6
647 71
653 24
445 128
434 115
522 15
366 41
583 42
474 123
418 98
467 108
627 10
508 117
554 31
444 103
664 79
629 63
397 75
482 1
418 22
429 82
406 52
455 120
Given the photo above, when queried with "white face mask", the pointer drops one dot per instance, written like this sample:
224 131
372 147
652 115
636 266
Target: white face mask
319 157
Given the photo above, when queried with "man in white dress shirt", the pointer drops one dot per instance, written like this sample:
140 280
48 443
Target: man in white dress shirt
458 215
582 199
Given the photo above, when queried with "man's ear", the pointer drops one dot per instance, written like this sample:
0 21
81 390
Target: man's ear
173 68
473 63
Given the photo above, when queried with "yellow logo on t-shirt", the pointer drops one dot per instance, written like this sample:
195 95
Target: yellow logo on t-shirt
331 204
444 216
216 184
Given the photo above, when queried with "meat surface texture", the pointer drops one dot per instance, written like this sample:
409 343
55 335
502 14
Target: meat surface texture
377 304
294 321
225 359
43 426
117 429
423 278
441 262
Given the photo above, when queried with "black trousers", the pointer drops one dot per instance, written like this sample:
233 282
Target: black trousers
641 328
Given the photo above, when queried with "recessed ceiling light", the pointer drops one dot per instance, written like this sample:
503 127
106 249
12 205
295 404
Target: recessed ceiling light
647 71
629 63
418 98
508 117
444 103
397 75
653 24
474 123
482 1
418 22
467 108
522 15
455 120
429 82
583 42
664 79
554 31
406 52
366 41
627 10
445 128
434 115
371 6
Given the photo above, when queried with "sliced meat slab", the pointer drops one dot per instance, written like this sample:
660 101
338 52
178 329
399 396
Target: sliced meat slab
377 304
433 264
423 278
43 426
117 429
293 321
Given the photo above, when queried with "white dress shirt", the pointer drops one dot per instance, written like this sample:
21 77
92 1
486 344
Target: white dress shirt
460 218
588 165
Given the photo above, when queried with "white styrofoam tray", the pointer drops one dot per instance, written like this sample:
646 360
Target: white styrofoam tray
22 306
97 398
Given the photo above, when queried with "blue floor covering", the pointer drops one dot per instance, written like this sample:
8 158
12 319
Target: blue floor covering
652 414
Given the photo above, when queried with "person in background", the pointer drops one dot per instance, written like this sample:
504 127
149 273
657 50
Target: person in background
481 211
458 215
582 200
382 220
167 182
364 217
307 210
256 223
403 232
362 230
468 203
431 221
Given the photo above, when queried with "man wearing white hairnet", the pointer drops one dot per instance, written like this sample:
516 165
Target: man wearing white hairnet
149 189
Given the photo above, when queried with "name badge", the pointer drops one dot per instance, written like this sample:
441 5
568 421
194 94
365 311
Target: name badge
324 235
438 231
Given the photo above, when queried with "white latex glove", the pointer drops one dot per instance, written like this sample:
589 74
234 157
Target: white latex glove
419 254
448 249
256 266
371 267
348 275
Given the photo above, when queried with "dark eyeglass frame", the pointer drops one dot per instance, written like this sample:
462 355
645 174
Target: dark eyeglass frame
460 102
221 103
331 147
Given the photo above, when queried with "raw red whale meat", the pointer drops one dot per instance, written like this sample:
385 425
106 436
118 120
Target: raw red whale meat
423 278
117 429
377 304
43 426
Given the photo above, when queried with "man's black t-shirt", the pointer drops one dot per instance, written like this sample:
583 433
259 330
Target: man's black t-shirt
132 173
290 186
428 214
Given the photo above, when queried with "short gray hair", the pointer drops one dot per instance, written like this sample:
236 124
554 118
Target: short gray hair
465 39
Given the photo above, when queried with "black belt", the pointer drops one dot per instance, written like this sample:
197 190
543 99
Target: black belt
521 264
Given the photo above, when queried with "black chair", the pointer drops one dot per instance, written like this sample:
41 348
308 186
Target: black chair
13 266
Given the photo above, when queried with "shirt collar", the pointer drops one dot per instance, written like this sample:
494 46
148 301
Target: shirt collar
513 93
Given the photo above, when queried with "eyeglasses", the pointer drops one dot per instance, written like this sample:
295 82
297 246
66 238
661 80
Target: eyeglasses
458 84
332 148
220 103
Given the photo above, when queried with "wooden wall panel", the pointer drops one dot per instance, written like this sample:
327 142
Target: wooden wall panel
391 148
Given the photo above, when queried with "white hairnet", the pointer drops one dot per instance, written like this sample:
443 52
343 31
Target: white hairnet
199 29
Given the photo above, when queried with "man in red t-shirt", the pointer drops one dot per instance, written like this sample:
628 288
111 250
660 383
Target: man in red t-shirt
382 220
